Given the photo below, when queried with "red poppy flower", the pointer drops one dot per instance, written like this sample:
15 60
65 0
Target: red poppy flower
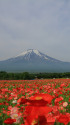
46 97
9 121
22 100
35 115
37 100
63 119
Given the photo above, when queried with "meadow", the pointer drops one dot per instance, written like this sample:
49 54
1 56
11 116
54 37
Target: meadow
35 102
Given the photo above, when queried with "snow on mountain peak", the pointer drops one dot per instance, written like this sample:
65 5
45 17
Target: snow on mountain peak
29 51
32 53
37 52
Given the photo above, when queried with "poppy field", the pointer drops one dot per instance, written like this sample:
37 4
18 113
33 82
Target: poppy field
35 102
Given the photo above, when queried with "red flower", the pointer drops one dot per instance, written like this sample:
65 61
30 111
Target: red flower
9 121
37 100
57 100
63 119
22 100
69 99
35 115
46 97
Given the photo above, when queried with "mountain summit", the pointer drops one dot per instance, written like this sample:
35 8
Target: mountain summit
34 56
30 51
33 60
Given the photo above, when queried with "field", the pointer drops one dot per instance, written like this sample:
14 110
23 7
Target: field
35 102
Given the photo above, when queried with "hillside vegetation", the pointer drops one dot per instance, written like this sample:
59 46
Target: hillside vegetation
29 76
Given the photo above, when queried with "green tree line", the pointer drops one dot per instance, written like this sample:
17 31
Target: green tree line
30 76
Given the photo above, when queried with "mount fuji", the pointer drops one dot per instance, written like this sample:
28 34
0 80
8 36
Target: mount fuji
33 60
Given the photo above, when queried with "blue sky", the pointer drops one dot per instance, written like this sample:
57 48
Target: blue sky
35 24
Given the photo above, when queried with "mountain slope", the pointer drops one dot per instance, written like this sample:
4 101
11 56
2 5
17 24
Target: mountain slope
33 56
34 61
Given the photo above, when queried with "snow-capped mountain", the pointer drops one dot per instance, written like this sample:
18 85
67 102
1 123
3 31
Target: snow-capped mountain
33 60
30 51
34 56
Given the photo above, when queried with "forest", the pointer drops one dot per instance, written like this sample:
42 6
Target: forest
31 76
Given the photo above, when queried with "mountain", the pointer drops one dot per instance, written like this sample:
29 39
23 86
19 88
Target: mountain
32 56
34 61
